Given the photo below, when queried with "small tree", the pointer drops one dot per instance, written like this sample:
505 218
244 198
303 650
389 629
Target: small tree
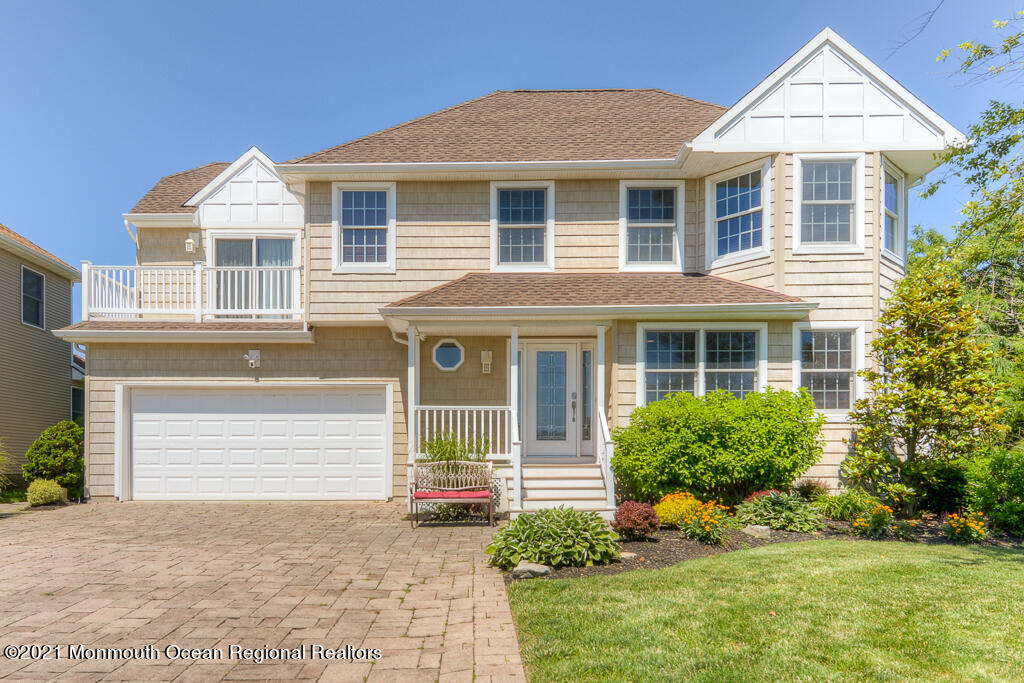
57 455
932 391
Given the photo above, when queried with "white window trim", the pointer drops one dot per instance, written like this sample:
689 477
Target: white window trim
549 227
680 212
901 224
253 234
21 301
761 379
339 266
857 226
859 360
448 340
710 218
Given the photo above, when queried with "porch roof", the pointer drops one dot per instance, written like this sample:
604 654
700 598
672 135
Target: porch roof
210 331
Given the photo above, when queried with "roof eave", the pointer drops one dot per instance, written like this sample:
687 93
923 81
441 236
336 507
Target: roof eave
183 219
40 260
185 336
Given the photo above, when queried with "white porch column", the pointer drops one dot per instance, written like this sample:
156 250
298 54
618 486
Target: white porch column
197 289
413 390
86 277
517 448
602 402
599 384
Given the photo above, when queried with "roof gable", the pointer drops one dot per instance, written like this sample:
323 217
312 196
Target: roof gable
171 192
537 125
29 250
247 193
828 97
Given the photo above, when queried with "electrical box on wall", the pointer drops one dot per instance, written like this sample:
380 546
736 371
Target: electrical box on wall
252 358
486 357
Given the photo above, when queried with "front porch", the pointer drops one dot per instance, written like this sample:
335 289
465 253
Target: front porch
539 413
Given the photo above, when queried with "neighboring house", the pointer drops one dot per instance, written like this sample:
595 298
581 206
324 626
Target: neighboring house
35 377
527 267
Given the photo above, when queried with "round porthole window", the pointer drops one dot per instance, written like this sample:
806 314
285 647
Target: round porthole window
448 354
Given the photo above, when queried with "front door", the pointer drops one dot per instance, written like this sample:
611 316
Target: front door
551 399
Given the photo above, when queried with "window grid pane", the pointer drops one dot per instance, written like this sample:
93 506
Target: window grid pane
738 213
828 203
651 205
826 367
671 359
31 298
364 208
585 382
891 212
731 362
522 207
364 245
650 245
521 245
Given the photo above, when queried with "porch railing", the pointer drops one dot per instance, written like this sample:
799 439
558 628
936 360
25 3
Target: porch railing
468 423
196 291
605 448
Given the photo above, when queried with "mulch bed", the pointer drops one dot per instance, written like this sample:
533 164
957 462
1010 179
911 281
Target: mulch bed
667 548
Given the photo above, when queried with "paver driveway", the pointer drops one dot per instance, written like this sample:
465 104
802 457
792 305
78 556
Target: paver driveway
259 574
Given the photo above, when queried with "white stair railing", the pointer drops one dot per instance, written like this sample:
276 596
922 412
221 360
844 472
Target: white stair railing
605 448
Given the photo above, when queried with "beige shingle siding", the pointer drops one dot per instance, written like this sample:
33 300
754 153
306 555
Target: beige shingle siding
353 354
35 366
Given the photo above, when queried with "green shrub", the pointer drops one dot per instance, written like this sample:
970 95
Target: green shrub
5 465
57 455
557 537
781 511
847 505
940 486
809 489
706 523
450 447
717 446
43 492
874 524
996 488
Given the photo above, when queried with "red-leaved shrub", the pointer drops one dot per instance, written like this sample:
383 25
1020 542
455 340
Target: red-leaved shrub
635 521
758 494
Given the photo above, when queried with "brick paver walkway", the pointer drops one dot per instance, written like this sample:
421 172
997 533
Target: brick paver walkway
279 575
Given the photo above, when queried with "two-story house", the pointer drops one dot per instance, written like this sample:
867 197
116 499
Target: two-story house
526 267
36 385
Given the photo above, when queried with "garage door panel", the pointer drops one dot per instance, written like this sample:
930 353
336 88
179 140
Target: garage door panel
243 444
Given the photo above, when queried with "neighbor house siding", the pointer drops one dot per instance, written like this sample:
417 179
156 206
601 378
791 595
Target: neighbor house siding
354 355
35 366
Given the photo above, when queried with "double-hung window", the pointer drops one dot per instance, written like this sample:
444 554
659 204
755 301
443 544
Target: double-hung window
364 218
738 214
892 199
826 361
699 360
33 295
829 191
522 220
649 229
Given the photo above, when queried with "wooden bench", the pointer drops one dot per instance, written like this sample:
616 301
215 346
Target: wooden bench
455 482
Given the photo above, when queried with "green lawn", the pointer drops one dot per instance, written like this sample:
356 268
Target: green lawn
842 610
14 495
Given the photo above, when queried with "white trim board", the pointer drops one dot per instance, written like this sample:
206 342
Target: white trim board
678 253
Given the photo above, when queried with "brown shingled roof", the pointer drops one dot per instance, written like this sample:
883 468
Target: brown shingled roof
538 125
517 290
15 237
171 192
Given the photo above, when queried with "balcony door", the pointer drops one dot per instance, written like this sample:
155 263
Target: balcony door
254 275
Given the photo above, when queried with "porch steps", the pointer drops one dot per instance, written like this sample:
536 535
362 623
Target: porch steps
578 485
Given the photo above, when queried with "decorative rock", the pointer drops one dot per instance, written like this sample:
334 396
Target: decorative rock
757 531
626 555
529 570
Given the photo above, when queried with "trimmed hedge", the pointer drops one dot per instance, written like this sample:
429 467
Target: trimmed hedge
717 446
57 455
43 492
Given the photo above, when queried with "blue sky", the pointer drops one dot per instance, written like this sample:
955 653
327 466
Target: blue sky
101 99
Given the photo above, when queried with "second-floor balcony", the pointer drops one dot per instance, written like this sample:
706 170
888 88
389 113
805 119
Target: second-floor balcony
198 292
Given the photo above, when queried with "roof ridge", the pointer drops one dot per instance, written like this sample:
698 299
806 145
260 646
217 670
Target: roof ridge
197 168
690 99
395 127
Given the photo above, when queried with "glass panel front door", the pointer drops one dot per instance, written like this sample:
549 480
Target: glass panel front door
551 395
551 398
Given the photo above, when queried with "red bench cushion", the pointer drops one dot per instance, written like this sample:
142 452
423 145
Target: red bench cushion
452 494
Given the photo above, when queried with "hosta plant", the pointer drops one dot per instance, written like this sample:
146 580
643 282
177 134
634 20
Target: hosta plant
635 521
874 524
781 511
674 507
557 537
847 505
706 523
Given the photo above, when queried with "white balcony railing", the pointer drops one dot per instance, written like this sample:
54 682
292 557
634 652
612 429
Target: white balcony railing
494 424
198 292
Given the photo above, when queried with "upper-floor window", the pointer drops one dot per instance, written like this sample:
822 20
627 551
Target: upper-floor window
33 295
364 218
828 191
649 221
736 215
522 221
826 360
894 235
699 360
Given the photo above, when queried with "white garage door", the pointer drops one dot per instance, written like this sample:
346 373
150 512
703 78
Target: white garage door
259 444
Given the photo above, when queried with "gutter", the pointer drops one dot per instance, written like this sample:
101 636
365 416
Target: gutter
588 312
184 336
161 220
